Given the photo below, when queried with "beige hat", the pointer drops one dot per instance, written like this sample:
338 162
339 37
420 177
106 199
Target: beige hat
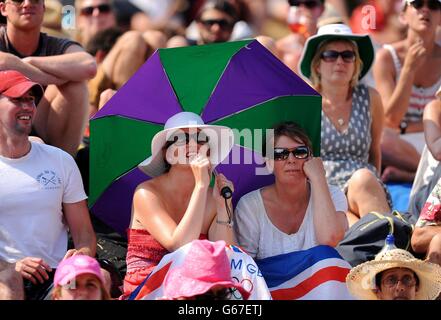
361 280
438 93
221 141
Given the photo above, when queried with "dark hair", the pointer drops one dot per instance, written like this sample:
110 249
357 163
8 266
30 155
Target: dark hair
289 129
221 294
103 40
379 276
221 5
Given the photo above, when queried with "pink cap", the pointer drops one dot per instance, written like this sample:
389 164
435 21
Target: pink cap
74 266
205 266
14 84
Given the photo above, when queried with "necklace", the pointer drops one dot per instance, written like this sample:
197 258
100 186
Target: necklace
340 121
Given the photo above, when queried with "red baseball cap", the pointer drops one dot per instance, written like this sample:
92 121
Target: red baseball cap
14 84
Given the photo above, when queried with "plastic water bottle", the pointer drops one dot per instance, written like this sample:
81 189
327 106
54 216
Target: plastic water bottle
389 244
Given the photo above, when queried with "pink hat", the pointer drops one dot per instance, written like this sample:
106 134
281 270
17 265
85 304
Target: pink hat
74 266
13 84
205 266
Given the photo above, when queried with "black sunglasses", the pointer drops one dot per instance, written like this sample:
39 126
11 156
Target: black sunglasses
310 4
102 8
301 152
431 4
332 55
182 138
222 23
20 2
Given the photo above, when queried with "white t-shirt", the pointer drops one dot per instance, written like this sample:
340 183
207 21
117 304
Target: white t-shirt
261 239
32 190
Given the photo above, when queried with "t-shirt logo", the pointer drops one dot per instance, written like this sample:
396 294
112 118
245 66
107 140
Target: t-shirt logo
48 179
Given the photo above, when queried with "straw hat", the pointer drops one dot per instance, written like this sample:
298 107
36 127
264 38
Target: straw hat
221 140
335 32
205 266
361 279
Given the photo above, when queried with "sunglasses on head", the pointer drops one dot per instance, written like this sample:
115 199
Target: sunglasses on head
222 23
310 4
102 8
182 138
431 4
20 2
332 55
301 152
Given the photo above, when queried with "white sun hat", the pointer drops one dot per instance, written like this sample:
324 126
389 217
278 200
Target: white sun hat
221 141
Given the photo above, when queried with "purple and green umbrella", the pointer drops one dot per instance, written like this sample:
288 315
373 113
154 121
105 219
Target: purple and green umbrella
236 84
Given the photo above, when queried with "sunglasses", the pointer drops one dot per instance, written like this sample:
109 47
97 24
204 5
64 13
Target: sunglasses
102 8
20 2
332 55
222 23
301 152
183 138
310 4
431 4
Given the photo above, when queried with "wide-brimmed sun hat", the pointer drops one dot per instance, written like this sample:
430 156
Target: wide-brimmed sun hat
334 32
220 140
205 266
361 279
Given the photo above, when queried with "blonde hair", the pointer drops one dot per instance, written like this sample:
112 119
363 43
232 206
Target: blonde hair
105 295
358 63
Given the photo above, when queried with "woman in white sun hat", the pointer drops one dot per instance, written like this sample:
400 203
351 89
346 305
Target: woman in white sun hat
335 60
178 205
395 275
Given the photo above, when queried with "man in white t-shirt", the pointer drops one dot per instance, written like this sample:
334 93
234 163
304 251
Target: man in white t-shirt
41 197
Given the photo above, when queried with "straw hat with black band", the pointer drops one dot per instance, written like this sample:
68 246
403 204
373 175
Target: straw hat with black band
361 280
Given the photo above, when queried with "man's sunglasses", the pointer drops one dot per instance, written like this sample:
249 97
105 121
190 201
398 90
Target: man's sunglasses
102 8
332 55
301 152
431 4
222 23
20 2
310 4
182 138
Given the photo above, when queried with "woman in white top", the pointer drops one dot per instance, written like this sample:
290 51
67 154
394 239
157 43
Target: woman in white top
300 210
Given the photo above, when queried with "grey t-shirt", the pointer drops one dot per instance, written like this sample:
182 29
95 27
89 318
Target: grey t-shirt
48 45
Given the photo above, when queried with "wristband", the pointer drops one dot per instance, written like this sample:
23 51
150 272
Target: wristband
225 223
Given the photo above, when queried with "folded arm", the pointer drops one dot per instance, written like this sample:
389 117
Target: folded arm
11 62
74 65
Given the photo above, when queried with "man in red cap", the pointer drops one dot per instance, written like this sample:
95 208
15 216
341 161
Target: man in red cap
42 196
59 64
